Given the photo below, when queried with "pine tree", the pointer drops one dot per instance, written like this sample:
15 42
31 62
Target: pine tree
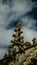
18 41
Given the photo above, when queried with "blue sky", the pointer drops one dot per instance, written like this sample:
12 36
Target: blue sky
12 11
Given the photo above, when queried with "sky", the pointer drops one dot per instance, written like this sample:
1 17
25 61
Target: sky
12 11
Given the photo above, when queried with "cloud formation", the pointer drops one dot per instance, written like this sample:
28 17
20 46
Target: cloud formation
18 8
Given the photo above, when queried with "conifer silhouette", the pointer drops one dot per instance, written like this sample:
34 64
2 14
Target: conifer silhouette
18 39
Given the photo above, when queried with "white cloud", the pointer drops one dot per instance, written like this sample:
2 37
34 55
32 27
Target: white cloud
22 6
5 37
28 22
18 8
2 53
29 34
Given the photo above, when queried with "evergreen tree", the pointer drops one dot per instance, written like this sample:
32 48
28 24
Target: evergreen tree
18 41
